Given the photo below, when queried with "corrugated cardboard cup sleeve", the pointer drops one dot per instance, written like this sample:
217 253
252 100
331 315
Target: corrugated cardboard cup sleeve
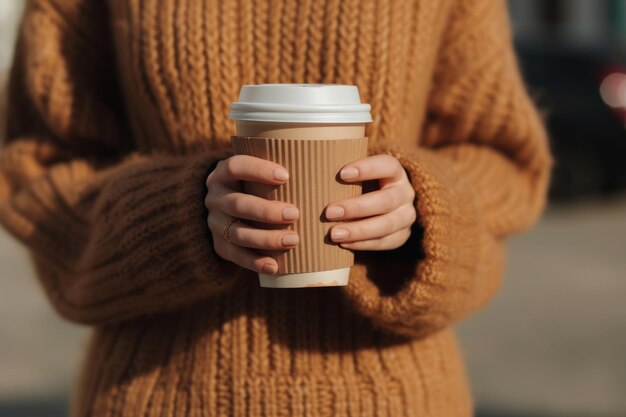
313 184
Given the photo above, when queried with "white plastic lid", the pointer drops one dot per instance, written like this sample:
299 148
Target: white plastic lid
300 103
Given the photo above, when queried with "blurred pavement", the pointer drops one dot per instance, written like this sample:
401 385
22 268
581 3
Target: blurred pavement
551 343
554 338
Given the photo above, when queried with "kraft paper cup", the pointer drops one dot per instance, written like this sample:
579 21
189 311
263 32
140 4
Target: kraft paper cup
313 131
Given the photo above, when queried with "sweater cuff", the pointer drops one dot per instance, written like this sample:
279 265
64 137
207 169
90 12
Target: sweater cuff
159 200
213 272
425 283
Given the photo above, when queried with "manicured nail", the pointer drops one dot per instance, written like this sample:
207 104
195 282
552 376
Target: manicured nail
269 268
281 174
290 240
338 234
291 213
334 212
349 173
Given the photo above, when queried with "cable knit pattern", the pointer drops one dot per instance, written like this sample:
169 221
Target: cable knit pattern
118 112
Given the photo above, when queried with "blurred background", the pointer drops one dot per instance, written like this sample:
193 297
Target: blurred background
553 341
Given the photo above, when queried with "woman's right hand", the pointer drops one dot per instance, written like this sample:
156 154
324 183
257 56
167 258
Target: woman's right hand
225 201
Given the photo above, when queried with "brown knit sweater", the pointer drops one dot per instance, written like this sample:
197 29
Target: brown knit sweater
117 110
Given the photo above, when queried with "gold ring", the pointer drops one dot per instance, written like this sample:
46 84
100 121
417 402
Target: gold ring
226 229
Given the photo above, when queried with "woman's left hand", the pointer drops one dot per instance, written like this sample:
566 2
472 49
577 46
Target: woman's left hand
385 215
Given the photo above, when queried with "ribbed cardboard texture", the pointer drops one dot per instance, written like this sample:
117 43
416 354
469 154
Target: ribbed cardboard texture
313 184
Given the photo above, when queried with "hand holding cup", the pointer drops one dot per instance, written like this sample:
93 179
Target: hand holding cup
226 201
383 217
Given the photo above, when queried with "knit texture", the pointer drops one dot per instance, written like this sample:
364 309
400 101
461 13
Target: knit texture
118 111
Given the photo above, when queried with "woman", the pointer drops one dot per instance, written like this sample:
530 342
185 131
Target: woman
118 114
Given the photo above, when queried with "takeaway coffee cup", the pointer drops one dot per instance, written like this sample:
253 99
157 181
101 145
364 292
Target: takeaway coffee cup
313 130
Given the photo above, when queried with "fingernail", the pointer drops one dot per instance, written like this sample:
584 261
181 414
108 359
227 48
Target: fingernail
349 173
291 213
338 234
334 212
281 174
291 240
269 268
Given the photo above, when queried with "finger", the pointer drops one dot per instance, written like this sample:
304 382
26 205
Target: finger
251 207
243 234
376 167
374 227
245 257
392 241
248 168
369 204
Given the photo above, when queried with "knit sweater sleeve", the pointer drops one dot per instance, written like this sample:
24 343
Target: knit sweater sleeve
114 233
480 174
